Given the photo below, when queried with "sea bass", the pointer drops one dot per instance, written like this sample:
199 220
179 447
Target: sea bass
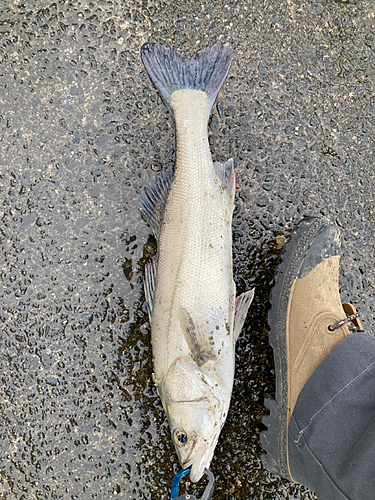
194 314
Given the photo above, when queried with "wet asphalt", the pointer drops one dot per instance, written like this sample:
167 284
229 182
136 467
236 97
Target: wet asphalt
82 129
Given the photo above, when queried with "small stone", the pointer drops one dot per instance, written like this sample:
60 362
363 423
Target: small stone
280 241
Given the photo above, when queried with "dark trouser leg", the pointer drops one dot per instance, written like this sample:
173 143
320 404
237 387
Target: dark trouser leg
331 437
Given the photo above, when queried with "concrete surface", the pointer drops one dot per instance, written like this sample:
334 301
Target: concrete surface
81 130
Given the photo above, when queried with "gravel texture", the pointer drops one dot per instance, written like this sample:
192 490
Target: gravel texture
81 130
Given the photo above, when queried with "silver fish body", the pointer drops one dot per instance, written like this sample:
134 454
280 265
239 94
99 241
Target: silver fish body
195 318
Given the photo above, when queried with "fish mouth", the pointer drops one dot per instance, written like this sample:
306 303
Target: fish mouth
199 460
197 468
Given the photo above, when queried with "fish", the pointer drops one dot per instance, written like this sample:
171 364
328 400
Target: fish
194 314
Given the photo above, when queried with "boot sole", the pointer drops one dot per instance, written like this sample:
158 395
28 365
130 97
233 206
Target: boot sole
274 441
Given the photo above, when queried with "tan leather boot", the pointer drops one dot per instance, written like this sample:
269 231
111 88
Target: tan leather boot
307 320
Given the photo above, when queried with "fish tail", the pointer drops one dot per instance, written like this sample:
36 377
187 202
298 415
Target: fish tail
170 71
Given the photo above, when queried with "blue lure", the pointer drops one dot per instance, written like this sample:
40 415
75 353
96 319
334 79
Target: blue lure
207 495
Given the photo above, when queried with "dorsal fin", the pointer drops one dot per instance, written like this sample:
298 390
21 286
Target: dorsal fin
153 199
150 284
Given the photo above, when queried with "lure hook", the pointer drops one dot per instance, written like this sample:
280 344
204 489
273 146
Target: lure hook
207 495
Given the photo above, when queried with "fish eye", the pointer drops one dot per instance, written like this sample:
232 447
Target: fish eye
180 436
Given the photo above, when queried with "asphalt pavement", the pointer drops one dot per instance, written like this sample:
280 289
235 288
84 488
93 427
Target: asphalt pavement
82 129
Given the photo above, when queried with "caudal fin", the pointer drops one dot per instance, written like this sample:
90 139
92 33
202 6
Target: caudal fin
169 70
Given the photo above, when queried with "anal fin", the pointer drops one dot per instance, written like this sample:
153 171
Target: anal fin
225 172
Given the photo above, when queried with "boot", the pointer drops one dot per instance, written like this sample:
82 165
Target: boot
307 320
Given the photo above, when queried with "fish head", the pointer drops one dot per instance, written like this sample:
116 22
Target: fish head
196 408
195 429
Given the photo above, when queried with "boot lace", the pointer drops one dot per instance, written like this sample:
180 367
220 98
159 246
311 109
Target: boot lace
351 327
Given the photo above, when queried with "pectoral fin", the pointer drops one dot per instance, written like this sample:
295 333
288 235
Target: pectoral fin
197 335
242 305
